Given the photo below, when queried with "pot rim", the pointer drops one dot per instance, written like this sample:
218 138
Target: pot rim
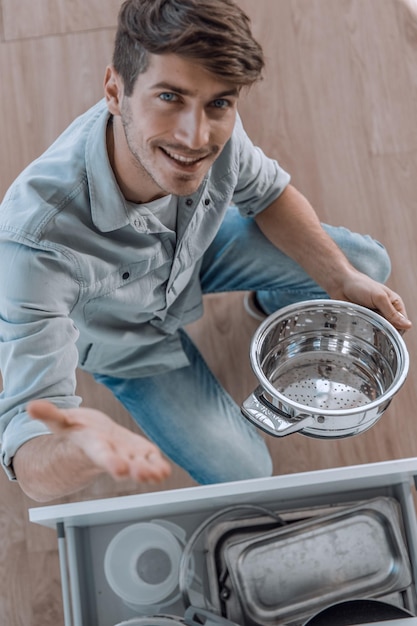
303 409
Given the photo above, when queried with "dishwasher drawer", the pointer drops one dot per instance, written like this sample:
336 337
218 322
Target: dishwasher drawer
120 558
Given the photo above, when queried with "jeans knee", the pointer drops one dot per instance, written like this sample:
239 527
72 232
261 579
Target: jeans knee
259 465
238 464
375 261
364 252
384 265
264 469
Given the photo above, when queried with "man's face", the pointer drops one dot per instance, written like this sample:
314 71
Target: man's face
175 125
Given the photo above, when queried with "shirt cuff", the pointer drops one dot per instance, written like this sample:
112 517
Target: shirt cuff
20 430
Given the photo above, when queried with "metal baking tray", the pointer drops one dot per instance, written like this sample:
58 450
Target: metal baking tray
230 529
281 575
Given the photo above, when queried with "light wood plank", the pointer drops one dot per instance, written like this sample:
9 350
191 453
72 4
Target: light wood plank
94 14
25 19
337 108
15 583
32 18
49 81
46 595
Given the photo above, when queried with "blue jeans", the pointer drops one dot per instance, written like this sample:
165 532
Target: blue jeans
186 412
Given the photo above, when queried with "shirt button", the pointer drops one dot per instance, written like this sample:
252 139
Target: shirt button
207 201
189 201
125 275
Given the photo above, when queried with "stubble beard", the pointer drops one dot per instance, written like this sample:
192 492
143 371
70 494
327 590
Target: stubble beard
136 159
183 180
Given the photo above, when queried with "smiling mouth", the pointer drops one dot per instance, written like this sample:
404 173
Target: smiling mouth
181 159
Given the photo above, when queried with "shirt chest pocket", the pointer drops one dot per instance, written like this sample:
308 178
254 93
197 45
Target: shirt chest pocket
129 296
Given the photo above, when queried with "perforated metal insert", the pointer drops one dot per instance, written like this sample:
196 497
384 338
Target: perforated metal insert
335 385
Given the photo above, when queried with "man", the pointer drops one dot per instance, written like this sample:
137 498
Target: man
111 237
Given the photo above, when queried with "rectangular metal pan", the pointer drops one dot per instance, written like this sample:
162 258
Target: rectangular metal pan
293 571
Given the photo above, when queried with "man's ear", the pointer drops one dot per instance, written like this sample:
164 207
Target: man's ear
113 90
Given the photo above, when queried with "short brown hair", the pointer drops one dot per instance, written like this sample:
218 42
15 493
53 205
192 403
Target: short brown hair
214 32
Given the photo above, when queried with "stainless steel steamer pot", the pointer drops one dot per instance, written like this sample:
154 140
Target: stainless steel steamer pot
326 368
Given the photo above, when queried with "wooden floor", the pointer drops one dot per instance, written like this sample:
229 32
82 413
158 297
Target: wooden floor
337 108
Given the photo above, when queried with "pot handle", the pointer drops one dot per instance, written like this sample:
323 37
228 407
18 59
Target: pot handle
257 409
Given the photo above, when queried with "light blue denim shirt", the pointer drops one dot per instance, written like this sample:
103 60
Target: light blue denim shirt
80 277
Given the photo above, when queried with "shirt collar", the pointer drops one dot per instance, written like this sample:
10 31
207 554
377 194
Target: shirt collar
109 208
108 205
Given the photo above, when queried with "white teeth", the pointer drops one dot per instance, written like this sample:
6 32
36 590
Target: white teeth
181 158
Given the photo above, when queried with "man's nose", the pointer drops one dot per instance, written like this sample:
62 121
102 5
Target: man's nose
193 129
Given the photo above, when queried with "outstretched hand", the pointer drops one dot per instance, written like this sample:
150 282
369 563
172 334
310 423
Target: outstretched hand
363 290
109 447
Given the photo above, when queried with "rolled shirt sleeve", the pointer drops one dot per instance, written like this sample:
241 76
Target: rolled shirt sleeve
37 347
260 180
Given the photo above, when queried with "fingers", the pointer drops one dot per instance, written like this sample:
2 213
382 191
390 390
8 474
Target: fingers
149 466
400 320
105 457
392 307
364 290
142 462
153 468
125 454
48 413
109 446
41 409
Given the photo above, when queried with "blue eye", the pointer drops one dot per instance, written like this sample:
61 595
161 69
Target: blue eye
168 97
220 103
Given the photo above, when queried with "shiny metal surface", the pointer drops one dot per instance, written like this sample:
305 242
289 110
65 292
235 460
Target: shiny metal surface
325 368
294 571
223 597
154 620
192 617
